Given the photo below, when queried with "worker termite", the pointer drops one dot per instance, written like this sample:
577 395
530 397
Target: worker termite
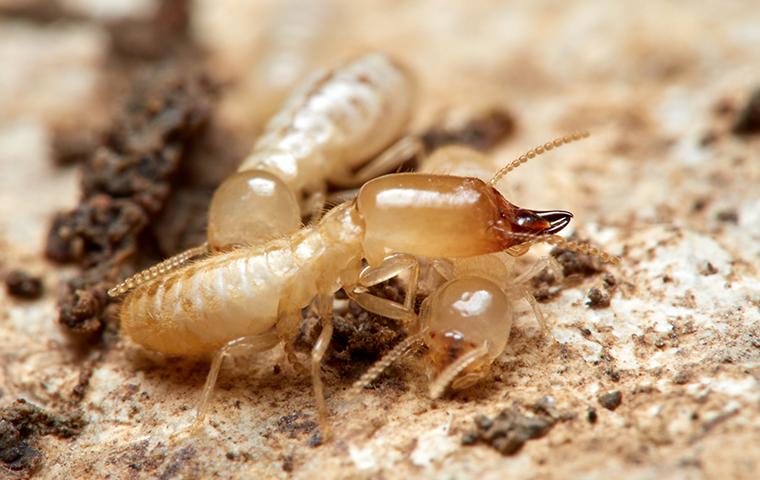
465 322
253 295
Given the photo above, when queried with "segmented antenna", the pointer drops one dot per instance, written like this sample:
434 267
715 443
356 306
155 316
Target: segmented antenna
534 152
447 376
157 270
406 347
584 248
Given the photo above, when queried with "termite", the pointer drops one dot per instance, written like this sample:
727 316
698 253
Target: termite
465 323
253 295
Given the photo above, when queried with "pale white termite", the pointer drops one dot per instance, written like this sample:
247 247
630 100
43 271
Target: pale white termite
254 294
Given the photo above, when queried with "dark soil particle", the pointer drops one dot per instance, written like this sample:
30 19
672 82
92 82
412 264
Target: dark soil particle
125 185
21 284
287 463
598 298
611 400
481 132
728 216
20 425
508 431
575 266
591 415
359 338
295 424
748 120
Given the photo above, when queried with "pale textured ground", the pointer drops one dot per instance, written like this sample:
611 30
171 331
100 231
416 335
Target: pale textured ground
644 79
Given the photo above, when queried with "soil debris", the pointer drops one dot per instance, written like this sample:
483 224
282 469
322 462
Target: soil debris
575 267
728 215
295 424
598 298
748 120
359 338
124 185
611 400
21 284
20 425
508 431
481 132
591 415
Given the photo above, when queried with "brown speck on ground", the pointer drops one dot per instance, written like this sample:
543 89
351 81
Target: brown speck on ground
21 424
508 431
24 285
611 400
482 132
728 216
748 120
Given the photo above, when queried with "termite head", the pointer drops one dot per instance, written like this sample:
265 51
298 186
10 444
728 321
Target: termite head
445 216
466 323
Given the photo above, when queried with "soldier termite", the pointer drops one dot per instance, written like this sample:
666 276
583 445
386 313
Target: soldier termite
253 295
465 322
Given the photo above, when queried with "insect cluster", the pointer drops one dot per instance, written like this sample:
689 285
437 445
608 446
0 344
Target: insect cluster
260 267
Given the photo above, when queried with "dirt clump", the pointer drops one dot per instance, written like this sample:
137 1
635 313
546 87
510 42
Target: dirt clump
22 284
509 430
481 132
360 337
611 400
124 186
575 267
21 424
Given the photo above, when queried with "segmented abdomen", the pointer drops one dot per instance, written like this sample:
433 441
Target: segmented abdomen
334 122
202 306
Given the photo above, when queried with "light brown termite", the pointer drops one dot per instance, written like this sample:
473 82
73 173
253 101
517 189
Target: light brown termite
465 322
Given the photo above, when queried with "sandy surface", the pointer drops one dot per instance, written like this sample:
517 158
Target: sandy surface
662 182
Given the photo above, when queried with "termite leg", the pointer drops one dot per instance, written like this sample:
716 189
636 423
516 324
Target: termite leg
524 293
325 310
391 267
539 266
442 381
404 348
315 206
389 160
288 324
258 343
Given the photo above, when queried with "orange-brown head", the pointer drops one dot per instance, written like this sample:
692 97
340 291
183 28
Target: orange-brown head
445 216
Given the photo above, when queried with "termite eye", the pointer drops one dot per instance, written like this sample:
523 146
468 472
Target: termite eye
542 222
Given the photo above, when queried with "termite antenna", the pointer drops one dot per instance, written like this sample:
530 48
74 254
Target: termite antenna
157 270
557 241
406 347
534 152
447 376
